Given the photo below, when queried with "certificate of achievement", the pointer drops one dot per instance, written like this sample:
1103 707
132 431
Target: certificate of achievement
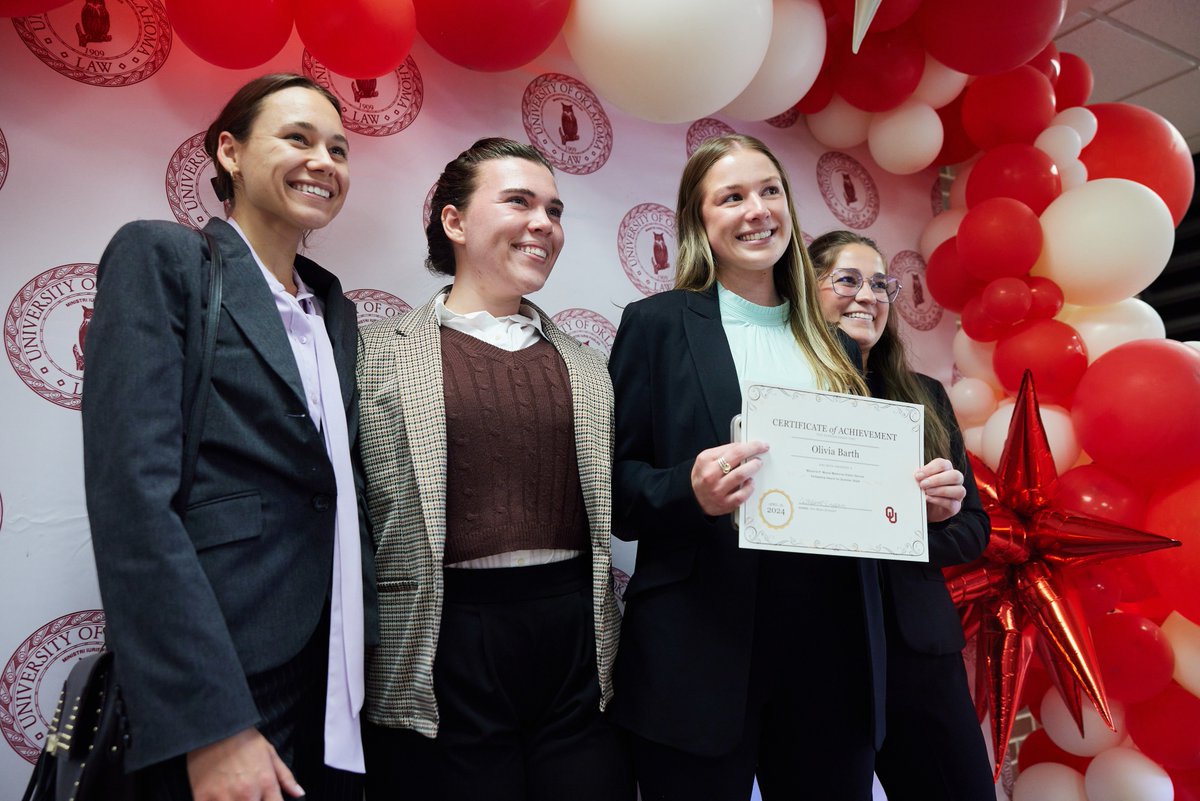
838 478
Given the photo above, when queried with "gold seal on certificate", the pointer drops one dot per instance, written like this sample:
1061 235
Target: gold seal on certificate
839 476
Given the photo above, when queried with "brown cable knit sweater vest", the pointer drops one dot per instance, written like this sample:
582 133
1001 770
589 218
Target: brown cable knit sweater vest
512 478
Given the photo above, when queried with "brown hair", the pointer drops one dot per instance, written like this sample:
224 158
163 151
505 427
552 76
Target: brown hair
242 110
455 186
888 357
696 268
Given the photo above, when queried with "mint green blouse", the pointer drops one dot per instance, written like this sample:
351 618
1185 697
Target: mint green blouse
764 349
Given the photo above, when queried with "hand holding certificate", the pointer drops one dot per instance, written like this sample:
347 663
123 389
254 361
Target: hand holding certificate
838 478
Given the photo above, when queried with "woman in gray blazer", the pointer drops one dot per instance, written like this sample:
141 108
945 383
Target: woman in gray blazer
227 615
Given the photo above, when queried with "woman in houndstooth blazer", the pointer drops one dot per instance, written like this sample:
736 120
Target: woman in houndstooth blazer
487 449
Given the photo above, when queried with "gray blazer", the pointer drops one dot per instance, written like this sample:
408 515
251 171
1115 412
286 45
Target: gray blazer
403 446
194 606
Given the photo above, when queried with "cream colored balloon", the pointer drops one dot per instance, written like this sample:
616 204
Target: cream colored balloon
1072 174
839 124
939 84
938 230
1081 119
1059 142
906 139
973 400
1125 774
1105 241
1184 636
1060 433
1096 737
1103 328
974 359
790 67
958 187
973 439
668 60
1049 781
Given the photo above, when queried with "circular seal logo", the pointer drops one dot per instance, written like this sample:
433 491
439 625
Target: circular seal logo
646 244
373 106
33 677
915 304
588 327
100 42
785 120
564 119
775 508
3 159
701 131
937 200
848 189
45 328
375 304
190 194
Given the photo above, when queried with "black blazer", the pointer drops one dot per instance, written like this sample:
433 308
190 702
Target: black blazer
924 614
195 606
682 670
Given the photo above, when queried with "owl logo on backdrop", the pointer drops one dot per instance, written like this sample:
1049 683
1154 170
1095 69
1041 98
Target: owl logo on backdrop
564 119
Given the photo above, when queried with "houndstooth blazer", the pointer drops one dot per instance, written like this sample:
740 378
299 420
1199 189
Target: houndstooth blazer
403 446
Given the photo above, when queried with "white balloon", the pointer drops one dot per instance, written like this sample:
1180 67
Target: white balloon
1122 774
973 442
1072 173
1105 241
1097 737
668 60
958 188
1081 119
839 124
1103 328
973 400
939 84
1049 781
938 230
974 359
790 67
1184 636
1059 142
1193 343
906 139
1060 433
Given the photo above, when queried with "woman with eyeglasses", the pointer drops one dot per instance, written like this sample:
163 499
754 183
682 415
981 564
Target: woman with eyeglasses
934 749
735 664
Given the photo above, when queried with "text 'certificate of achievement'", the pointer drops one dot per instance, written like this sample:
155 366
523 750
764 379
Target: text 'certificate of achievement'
838 479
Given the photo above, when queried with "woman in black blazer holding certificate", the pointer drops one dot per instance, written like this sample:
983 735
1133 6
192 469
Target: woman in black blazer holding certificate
734 663
934 749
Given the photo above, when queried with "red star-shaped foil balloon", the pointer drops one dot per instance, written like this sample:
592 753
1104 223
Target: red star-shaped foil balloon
1016 593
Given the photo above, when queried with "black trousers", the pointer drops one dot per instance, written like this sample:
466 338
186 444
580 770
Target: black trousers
518 698
291 701
807 732
934 749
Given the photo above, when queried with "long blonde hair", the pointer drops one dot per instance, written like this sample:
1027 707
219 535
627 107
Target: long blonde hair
795 279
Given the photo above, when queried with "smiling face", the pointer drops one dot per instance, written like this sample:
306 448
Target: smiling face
862 316
745 214
507 238
291 171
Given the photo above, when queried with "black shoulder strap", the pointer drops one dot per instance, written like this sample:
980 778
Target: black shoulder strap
195 422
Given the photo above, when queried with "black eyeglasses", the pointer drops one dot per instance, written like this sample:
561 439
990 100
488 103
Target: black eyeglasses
847 283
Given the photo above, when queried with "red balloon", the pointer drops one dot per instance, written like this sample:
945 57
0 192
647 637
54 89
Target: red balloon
1187 784
263 28
1098 591
1074 85
1037 681
837 44
1135 143
1013 106
978 324
1135 411
1047 62
24 8
884 72
1052 350
891 13
982 37
1038 747
357 38
949 284
1175 512
1021 172
1047 297
956 145
1000 237
1136 659
489 36
1007 300
1167 727
1095 492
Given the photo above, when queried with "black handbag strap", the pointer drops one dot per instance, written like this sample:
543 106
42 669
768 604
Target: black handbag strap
191 437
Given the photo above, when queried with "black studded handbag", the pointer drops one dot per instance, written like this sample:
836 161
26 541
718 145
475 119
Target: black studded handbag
84 755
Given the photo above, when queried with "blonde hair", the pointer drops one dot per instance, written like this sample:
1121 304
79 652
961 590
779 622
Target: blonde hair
795 279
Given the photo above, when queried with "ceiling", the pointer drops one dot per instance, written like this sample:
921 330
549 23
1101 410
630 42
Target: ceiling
1145 52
